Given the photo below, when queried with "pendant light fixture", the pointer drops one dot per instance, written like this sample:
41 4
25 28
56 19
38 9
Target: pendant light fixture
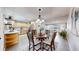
39 17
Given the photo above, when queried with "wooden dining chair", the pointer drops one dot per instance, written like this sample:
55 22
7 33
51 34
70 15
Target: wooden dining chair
36 41
48 33
34 32
32 41
50 42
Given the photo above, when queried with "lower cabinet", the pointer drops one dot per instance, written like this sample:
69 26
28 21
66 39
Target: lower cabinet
11 39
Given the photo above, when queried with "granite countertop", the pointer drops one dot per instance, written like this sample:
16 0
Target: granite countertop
8 32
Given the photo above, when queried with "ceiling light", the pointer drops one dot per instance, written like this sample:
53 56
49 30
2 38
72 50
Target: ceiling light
39 17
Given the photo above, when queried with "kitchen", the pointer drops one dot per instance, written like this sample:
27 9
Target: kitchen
16 21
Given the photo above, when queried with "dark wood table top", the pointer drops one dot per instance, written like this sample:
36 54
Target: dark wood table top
41 37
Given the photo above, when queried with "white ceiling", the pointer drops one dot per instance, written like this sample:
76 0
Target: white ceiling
31 13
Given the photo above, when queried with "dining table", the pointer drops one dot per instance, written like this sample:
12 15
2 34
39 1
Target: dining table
41 38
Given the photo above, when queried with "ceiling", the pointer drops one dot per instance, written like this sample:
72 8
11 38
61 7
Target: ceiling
31 13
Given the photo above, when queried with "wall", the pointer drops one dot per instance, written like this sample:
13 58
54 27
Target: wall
73 39
21 24
57 20
1 30
16 16
60 22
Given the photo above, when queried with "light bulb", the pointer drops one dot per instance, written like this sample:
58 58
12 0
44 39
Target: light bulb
37 20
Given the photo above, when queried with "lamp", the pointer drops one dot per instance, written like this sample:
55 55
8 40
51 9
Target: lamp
39 17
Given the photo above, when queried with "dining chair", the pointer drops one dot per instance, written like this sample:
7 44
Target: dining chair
33 42
48 33
50 42
36 41
34 32
30 39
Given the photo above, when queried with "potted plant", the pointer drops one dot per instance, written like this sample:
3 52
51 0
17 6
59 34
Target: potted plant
63 34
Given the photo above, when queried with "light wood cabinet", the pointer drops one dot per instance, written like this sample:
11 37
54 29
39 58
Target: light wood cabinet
11 39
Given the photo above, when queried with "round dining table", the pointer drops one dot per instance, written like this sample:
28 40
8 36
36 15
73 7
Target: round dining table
41 38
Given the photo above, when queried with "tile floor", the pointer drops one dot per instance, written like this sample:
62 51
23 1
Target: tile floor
22 45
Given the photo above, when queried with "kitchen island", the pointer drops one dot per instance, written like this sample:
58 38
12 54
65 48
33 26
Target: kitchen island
11 38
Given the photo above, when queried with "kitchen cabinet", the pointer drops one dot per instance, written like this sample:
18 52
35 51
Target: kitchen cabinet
11 38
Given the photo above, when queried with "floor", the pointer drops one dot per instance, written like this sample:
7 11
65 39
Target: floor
60 46
21 46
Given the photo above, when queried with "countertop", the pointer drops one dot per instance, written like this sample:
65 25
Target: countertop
8 32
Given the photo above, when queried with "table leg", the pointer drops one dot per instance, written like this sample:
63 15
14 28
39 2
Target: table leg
42 44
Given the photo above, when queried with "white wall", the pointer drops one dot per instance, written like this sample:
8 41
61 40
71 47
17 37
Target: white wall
1 30
77 26
57 20
16 16
73 41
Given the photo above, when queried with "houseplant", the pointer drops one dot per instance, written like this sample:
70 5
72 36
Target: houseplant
63 34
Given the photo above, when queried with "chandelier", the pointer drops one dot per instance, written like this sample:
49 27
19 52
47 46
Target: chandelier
39 20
